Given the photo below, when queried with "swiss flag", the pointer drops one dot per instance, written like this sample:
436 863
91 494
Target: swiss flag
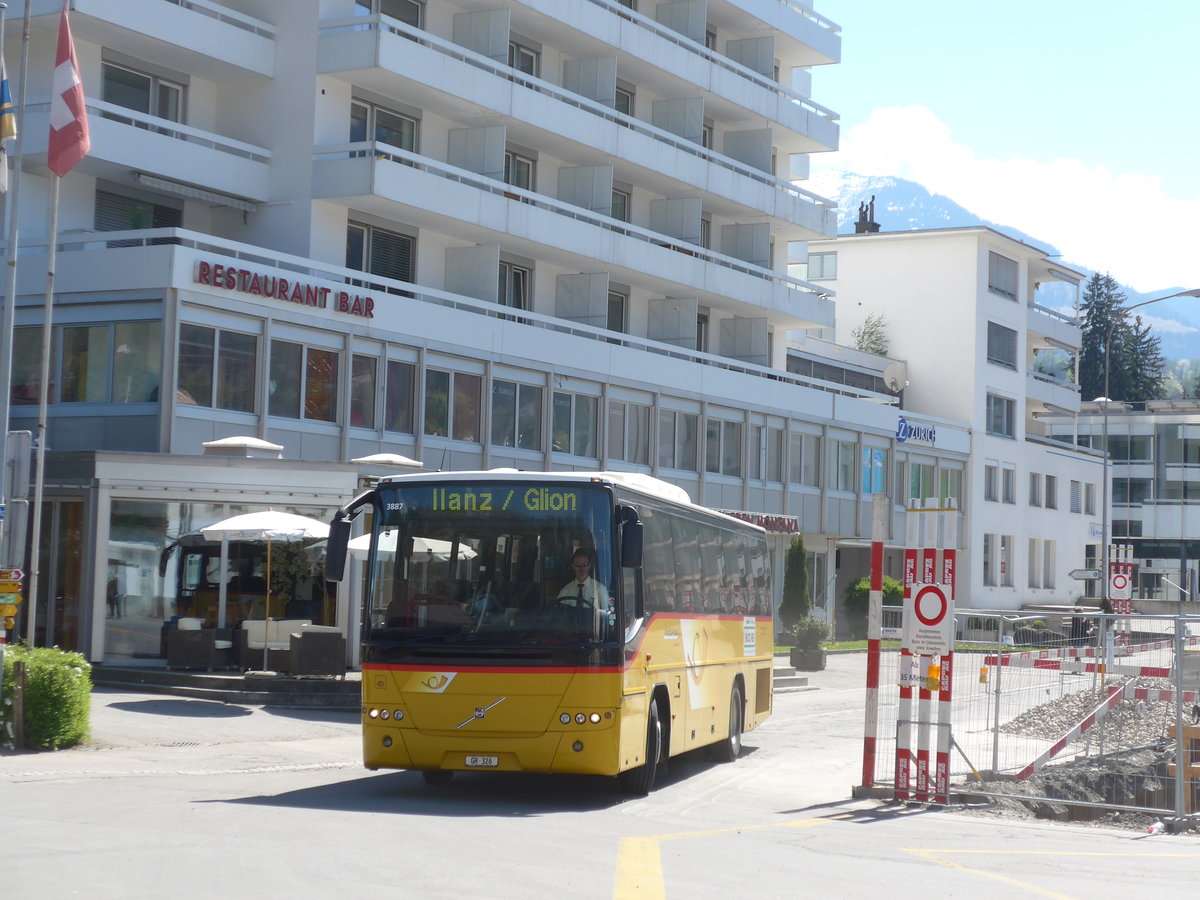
69 139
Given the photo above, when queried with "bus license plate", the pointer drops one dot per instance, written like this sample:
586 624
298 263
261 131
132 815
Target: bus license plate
482 762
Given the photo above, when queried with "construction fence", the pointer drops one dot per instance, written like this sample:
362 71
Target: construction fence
1079 716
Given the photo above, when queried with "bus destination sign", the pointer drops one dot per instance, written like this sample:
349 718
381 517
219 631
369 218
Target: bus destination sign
485 499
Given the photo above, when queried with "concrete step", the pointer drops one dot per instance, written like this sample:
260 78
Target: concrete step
251 689
786 680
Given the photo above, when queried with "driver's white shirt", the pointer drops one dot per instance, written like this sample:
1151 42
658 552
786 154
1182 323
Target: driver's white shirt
593 592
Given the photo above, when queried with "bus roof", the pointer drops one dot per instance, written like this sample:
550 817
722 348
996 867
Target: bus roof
637 481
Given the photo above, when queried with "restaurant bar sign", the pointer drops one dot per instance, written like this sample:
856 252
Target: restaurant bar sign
231 278
773 523
907 431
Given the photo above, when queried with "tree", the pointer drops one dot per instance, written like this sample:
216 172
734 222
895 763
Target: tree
871 336
1136 362
795 603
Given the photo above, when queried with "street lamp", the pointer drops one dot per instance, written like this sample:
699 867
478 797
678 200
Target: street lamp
1106 400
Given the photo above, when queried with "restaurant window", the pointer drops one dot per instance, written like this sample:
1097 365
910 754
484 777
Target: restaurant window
804 459
629 432
113 363
363 385
574 425
303 382
723 447
516 415
678 440
452 402
399 396
217 368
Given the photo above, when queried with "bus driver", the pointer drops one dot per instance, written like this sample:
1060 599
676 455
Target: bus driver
584 590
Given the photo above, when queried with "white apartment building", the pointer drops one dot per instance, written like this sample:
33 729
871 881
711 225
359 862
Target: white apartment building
976 318
545 234
1154 449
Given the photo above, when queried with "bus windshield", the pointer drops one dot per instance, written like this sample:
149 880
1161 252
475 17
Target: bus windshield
493 565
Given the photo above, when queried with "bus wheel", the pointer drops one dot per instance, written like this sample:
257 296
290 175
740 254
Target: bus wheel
731 748
640 781
436 776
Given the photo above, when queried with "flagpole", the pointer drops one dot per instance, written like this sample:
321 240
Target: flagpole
9 300
39 479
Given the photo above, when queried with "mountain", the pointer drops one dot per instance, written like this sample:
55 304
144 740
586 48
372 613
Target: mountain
902 205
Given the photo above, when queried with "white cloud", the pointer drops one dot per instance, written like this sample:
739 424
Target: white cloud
1123 223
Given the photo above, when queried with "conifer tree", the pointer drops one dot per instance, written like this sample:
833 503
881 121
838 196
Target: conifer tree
1135 369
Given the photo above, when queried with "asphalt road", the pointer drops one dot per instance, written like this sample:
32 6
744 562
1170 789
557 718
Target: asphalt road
187 798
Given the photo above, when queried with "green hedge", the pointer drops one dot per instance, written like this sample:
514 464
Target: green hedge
58 690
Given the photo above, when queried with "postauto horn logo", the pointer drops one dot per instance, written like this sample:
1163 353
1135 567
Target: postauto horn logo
908 432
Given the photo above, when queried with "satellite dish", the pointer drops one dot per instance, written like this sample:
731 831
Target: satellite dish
893 377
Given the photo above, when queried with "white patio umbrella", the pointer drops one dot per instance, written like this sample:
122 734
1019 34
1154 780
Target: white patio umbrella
440 550
268 525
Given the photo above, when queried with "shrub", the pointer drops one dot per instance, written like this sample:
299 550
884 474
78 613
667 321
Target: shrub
859 593
58 690
809 632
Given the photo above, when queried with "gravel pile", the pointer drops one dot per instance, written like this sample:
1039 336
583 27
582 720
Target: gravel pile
1120 761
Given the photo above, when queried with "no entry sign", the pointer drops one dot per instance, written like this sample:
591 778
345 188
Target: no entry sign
929 620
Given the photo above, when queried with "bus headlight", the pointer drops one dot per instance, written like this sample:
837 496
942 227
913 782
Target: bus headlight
565 718
384 714
398 714
594 718
580 718
372 713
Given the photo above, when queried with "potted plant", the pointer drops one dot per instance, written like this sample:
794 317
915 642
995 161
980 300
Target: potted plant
807 655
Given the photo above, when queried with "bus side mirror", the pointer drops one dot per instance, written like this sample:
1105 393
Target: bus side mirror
336 548
631 537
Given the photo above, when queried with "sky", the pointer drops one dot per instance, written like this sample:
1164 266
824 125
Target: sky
1074 121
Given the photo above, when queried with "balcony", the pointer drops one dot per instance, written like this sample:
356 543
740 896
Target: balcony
202 37
1053 394
426 193
1049 328
389 58
125 142
678 64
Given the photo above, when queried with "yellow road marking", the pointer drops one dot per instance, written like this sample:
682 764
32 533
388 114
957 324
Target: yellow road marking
1003 879
639 859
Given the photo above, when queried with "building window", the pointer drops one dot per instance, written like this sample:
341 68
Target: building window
723 447
629 432
1034 564
1001 412
1002 275
363 385
710 38
706 136
702 333
1035 489
380 252
516 415
678 440
142 92
399 397
1076 497
842 465
989 560
921 485
118 212
217 368
1008 484
949 486
628 4
822 266
1089 499
452 403
774 471
303 382
369 122
991 474
1051 492
617 303
524 58
706 231
1006 550
117 363
519 170
620 205
1001 346
1048 553
804 459
574 425
624 99
410 12
514 285
874 470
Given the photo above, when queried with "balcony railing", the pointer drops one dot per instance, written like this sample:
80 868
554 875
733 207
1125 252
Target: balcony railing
221 14
388 25
376 153
250 255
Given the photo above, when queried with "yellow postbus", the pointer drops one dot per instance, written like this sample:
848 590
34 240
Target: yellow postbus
595 623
